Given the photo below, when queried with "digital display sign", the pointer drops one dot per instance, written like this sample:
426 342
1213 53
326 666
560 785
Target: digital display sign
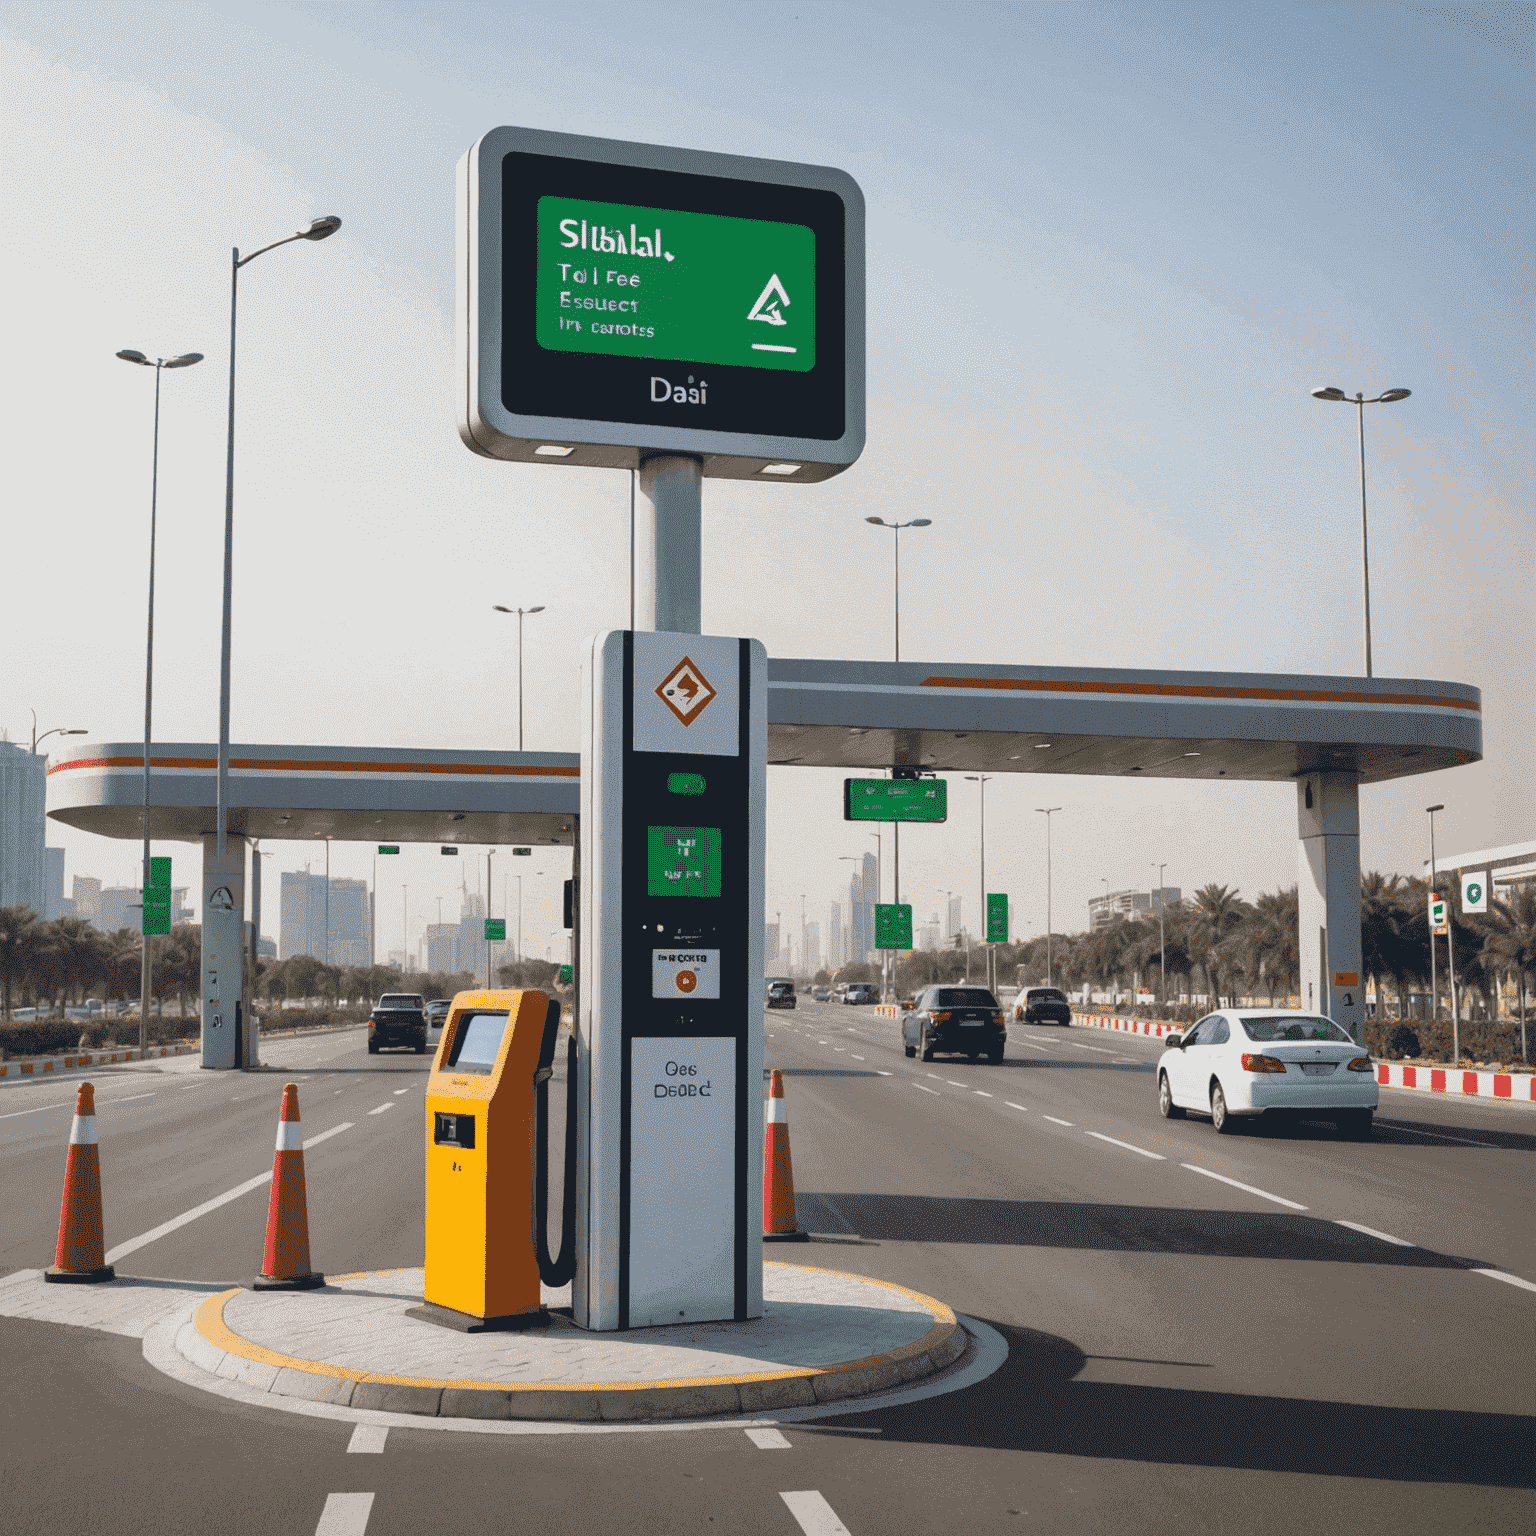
622 300
682 861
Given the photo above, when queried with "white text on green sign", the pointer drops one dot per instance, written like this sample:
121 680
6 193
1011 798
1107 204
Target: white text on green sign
895 800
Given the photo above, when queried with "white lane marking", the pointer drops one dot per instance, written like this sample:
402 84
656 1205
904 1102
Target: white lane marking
1263 1194
879 1073
935 1076
838 1050
135 1243
923 1088
823 1042
387 1104
1012 1105
345 1514
1128 1147
768 1439
1386 1237
1055 1121
127 1098
812 1513
1398 1125
368 1439
954 1084
399 1091
981 1093
339 1090
1507 1278
856 1058
62 1104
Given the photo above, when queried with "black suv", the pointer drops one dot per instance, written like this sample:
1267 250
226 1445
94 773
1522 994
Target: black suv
959 1020
781 994
398 1018
1042 1005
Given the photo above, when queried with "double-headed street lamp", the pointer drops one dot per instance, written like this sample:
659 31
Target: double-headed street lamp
1162 942
981 779
316 229
1047 811
1389 397
520 612
186 360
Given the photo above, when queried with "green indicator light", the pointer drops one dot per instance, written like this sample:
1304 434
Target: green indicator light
626 281
685 783
682 861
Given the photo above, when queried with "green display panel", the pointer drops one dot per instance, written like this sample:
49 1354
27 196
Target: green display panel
623 280
495 929
523 853
389 848
997 919
895 800
155 913
565 976
893 925
682 861
685 783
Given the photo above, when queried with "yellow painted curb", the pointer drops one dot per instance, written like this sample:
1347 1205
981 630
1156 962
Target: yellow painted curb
882 1371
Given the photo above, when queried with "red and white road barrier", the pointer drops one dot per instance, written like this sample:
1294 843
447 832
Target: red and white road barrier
1513 1087
38 1065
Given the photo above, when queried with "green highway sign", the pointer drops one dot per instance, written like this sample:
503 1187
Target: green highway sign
155 899
895 799
619 299
159 874
1437 923
627 281
495 929
390 848
893 925
522 853
565 976
682 861
997 919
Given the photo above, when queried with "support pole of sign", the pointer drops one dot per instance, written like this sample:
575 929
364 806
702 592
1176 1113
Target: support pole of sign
668 545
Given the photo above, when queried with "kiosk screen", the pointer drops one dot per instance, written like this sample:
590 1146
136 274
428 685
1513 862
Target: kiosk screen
477 1042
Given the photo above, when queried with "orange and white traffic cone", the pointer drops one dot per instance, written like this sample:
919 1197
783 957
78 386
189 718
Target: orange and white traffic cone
778 1174
80 1259
285 1265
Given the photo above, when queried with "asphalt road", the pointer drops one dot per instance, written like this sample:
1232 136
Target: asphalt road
1185 1353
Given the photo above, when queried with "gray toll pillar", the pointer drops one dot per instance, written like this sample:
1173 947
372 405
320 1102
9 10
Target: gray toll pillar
1328 898
669 545
223 928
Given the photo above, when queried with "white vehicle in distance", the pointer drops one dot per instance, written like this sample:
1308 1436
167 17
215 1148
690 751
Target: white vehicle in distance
1240 1063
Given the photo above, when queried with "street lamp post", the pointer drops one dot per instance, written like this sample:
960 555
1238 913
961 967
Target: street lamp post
981 779
1360 402
1047 812
520 612
1162 941
1450 949
317 229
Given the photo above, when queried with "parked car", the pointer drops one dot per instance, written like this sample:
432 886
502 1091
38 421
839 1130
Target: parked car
957 1020
1042 1005
861 992
398 1018
781 992
821 994
437 1015
1240 1063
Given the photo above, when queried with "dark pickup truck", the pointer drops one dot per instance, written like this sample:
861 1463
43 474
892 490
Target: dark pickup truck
398 1018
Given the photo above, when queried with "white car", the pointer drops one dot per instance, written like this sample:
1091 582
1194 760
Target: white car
1239 1063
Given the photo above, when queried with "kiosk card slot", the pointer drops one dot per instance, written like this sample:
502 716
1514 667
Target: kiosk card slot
454 1131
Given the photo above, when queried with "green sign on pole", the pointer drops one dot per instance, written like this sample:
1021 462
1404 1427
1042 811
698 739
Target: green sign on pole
893 925
895 799
389 848
495 929
155 913
997 919
565 975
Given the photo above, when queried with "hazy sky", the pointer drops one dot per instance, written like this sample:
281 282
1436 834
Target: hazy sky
1111 247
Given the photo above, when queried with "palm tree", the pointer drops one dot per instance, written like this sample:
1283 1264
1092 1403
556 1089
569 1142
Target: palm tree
1269 937
1512 943
18 938
1219 912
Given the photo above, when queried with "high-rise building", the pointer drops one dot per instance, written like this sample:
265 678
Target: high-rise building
302 925
23 795
121 907
952 920
443 947
1103 910
770 945
835 937
863 893
471 944
53 884
87 898
812 948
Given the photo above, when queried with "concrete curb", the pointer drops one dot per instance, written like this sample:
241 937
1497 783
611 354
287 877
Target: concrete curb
37 1066
1507 1087
209 1343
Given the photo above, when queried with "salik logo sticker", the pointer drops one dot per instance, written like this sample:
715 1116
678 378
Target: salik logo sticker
767 307
685 691
222 900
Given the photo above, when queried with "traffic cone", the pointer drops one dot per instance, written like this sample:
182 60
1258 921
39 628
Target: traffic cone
779 1224
80 1259
285 1265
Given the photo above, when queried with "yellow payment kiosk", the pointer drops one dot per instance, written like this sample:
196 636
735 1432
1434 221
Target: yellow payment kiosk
481 1259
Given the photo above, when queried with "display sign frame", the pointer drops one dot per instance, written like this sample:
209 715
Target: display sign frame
770 419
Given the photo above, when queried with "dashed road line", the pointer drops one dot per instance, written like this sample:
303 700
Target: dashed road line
368 1439
879 1073
953 1084
1263 1194
856 1058
923 1088
345 1514
1019 1107
981 1093
768 1439
1099 1135
1055 1121
1399 1125
387 1104
399 1091
1386 1237
812 1513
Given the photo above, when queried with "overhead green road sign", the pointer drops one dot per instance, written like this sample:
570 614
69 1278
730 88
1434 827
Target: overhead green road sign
495 930
893 925
997 919
895 800
628 281
159 874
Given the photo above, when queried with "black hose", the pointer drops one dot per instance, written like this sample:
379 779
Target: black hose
556 1272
